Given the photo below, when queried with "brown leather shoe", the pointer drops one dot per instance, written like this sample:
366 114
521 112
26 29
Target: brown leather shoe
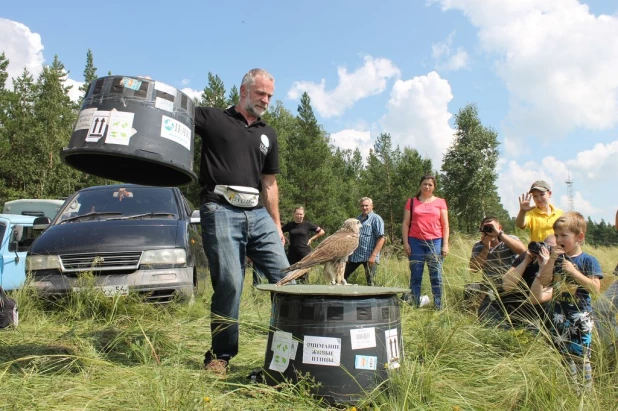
217 367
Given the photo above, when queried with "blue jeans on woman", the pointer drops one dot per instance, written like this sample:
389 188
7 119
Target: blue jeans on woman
231 234
426 251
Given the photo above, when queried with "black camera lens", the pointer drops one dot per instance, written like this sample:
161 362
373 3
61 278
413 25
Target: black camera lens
535 247
487 228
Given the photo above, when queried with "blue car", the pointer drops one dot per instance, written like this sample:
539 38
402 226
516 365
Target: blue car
16 235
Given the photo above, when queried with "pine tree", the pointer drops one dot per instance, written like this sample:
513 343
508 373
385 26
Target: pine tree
469 168
55 115
90 74
309 170
233 97
379 183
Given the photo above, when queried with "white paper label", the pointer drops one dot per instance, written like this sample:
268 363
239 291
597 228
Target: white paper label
322 351
98 126
120 128
85 119
363 338
165 88
164 104
392 348
365 362
176 131
282 348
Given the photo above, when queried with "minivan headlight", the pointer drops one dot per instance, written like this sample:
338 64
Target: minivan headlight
175 256
42 262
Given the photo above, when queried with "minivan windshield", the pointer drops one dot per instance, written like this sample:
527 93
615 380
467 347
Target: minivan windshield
113 203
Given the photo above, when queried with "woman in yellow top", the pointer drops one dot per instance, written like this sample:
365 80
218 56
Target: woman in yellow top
539 218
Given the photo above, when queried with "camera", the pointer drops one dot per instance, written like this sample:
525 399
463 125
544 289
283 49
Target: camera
535 247
487 228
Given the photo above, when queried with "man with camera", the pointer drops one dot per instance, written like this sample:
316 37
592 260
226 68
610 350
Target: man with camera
493 255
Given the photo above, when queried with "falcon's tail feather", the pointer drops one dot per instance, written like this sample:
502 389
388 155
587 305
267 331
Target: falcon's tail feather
292 276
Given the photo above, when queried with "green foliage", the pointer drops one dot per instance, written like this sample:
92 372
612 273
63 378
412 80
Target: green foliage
90 73
470 175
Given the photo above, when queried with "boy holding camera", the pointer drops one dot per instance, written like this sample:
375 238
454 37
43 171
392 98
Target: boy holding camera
540 217
568 279
517 283
493 255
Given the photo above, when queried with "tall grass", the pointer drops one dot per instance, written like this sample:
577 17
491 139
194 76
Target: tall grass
92 352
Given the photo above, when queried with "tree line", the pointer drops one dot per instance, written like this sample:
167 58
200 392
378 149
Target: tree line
37 118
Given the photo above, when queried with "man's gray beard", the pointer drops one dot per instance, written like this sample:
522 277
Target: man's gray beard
252 110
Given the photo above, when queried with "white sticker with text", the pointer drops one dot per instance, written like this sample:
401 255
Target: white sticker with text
363 338
84 119
322 351
176 131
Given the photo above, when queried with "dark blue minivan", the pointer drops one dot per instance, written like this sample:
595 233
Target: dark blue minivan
131 238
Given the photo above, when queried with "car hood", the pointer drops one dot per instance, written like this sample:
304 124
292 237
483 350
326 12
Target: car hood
108 236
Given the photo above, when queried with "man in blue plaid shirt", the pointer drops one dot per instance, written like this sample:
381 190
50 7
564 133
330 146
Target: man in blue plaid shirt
371 241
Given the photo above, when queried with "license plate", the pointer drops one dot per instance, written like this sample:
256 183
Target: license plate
109 290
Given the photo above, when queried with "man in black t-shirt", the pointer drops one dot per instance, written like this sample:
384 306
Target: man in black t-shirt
300 242
240 205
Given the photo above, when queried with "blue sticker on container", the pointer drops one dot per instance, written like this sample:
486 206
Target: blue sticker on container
133 84
365 362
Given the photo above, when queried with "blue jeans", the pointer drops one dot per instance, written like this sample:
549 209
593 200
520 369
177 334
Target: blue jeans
230 234
426 251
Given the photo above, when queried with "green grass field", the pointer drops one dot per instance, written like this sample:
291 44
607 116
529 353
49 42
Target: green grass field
94 353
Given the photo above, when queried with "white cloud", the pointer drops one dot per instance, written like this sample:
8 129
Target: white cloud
448 59
22 47
184 81
418 116
558 61
74 94
192 93
513 147
370 79
599 164
352 139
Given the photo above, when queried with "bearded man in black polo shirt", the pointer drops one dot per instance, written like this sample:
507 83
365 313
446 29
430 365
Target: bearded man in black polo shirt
240 205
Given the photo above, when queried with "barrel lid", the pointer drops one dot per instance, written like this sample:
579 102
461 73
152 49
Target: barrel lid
342 290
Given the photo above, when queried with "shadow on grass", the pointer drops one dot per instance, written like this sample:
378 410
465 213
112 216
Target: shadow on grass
40 359
131 347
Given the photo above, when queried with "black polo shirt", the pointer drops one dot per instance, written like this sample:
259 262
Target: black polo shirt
233 152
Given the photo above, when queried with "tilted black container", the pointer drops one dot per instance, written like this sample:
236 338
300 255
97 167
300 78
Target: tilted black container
348 338
134 130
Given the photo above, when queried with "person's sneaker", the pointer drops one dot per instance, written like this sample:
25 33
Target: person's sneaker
216 366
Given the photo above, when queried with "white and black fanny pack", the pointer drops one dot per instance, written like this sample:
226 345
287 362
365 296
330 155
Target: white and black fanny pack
239 196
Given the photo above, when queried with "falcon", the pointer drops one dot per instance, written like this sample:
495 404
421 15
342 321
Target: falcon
333 252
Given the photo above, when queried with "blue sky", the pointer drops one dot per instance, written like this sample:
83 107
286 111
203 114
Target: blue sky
543 73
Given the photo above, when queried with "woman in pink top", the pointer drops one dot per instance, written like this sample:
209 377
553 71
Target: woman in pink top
426 229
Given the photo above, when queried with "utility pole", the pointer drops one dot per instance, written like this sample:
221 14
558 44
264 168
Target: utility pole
570 194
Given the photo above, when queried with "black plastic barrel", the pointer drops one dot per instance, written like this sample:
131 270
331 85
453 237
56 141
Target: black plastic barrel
134 130
347 339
